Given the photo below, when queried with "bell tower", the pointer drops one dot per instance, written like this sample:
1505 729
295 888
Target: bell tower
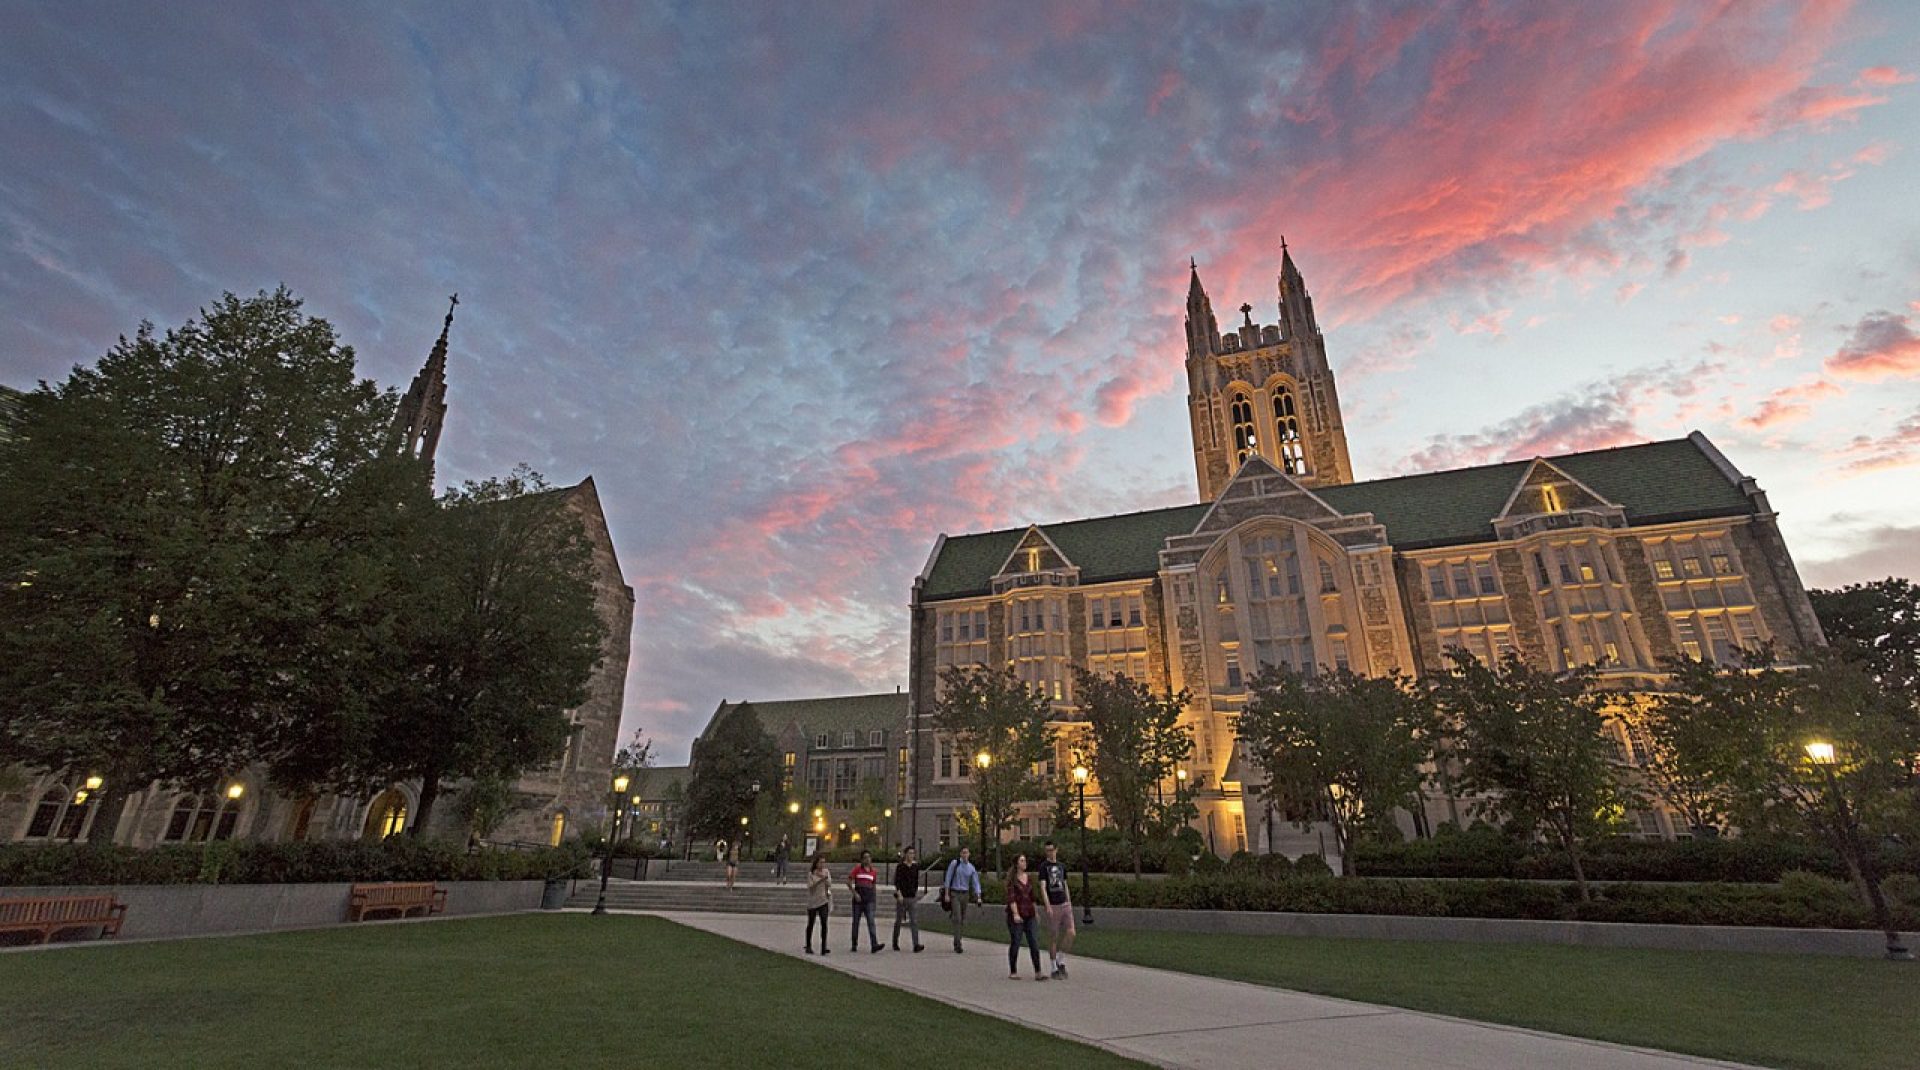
423 408
1263 390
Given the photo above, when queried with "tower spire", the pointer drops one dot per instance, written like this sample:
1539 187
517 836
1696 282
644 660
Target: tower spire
1203 333
1296 305
423 409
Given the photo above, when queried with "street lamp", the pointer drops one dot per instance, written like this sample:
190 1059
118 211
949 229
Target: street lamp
235 790
984 761
1821 754
1080 775
606 861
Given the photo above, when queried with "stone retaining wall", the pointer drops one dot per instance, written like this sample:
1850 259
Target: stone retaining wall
1862 944
164 910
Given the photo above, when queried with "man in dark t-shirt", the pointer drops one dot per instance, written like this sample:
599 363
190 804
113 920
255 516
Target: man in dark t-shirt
906 895
1053 888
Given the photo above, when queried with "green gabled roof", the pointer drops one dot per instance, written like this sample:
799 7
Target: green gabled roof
653 781
832 715
1657 482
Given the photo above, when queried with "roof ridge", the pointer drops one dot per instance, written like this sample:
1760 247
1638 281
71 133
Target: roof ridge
1043 525
1490 465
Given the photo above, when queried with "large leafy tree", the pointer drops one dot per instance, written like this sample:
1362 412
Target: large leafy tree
1878 626
1137 741
734 755
994 713
1747 731
499 639
194 541
1536 748
1339 743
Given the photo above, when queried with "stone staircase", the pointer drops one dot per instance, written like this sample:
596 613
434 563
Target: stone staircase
758 897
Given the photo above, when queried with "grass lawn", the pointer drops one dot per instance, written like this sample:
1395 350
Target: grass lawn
1795 1011
532 990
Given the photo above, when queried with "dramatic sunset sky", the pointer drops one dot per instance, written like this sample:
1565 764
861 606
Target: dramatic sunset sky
803 285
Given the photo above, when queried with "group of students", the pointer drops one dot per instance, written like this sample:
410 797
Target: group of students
1026 895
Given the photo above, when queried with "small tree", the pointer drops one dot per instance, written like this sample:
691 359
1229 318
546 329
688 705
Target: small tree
1535 747
1824 748
1137 742
735 754
1342 744
995 714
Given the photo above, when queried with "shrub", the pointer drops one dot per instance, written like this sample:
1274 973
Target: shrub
1484 852
1311 866
1276 867
245 862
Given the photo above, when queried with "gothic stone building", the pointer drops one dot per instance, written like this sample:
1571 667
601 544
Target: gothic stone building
1616 558
54 805
843 760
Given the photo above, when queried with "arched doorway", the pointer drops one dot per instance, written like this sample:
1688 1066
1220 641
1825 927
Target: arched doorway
302 821
559 827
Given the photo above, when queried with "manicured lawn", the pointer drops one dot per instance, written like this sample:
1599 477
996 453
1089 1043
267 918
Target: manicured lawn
548 990
1811 1012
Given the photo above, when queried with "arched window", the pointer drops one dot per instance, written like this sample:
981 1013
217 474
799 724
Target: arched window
199 818
559 827
1286 426
46 816
302 821
1246 441
387 816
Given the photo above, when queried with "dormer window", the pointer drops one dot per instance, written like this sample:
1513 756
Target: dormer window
1033 559
1550 499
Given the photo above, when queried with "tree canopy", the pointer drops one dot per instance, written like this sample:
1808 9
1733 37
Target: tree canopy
734 755
1878 626
1137 741
993 712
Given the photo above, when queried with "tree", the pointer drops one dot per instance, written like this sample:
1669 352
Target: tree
734 755
635 756
1535 746
1876 625
1823 748
193 547
499 639
1342 744
994 713
1137 741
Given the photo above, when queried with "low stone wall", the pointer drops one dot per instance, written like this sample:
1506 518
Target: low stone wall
1862 944
163 910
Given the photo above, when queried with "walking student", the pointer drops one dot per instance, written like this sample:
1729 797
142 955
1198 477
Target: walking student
1060 931
865 881
1020 920
732 851
780 854
819 901
954 885
906 897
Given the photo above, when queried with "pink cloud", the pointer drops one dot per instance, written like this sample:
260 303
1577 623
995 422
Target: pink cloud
1789 404
1896 449
1884 76
1883 345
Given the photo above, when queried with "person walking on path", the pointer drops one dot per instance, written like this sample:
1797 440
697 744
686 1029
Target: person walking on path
732 851
780 854
819 901
1020 920
1060 931
906 897
955 883
865 883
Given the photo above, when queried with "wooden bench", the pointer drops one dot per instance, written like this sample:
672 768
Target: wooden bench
400 898
52 915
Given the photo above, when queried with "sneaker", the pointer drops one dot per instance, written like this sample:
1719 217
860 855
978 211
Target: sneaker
1014 976
809 949
876 950
1039 976
824 951
917 948
1060 971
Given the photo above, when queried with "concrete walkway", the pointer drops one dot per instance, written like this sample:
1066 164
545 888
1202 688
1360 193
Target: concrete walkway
1184 1020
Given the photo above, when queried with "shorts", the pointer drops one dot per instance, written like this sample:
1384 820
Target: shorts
1059 915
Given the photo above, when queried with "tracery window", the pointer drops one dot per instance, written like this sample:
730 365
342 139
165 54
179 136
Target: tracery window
1286 426
1246 441
198 818
62 814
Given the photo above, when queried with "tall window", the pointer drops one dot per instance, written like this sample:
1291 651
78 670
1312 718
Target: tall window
387 816
1246 441
1463 595
1286 426
61 815
962 638
1706 595
1037 644
198 818
1585 604
1117 634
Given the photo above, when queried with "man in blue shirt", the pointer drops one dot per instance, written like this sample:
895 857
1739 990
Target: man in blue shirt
954 890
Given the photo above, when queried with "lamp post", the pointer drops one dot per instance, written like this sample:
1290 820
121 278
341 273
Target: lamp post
984 761
606 862
888 814
1080 775
1821 754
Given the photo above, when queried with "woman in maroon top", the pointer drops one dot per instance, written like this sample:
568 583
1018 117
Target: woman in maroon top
1020 920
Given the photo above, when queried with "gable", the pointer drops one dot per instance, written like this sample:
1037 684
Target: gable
1547 488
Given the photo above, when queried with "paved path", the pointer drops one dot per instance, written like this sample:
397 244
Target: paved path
1184 1020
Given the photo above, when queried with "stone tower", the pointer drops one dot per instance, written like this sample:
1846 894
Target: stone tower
1263 390
423 409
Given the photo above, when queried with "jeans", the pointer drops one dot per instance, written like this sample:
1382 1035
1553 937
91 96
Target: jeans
780 870
959 917
1017 927
864 906
819 912
903 910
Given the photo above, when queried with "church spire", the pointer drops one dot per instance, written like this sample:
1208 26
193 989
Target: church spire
1203 333
1296 305
423 409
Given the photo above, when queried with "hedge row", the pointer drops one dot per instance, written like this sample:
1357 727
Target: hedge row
1802 900
243 862
1490 855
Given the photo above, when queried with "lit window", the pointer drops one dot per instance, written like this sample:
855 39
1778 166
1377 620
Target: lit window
1286 425
1689 637
1722 565
1550 498
1663 568
1245 441
1691 566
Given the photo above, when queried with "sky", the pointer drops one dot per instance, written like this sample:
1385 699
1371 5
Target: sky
802 286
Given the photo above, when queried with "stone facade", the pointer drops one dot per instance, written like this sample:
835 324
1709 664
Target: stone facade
1617 558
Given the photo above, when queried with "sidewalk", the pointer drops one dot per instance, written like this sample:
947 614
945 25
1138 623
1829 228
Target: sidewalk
1183 1020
